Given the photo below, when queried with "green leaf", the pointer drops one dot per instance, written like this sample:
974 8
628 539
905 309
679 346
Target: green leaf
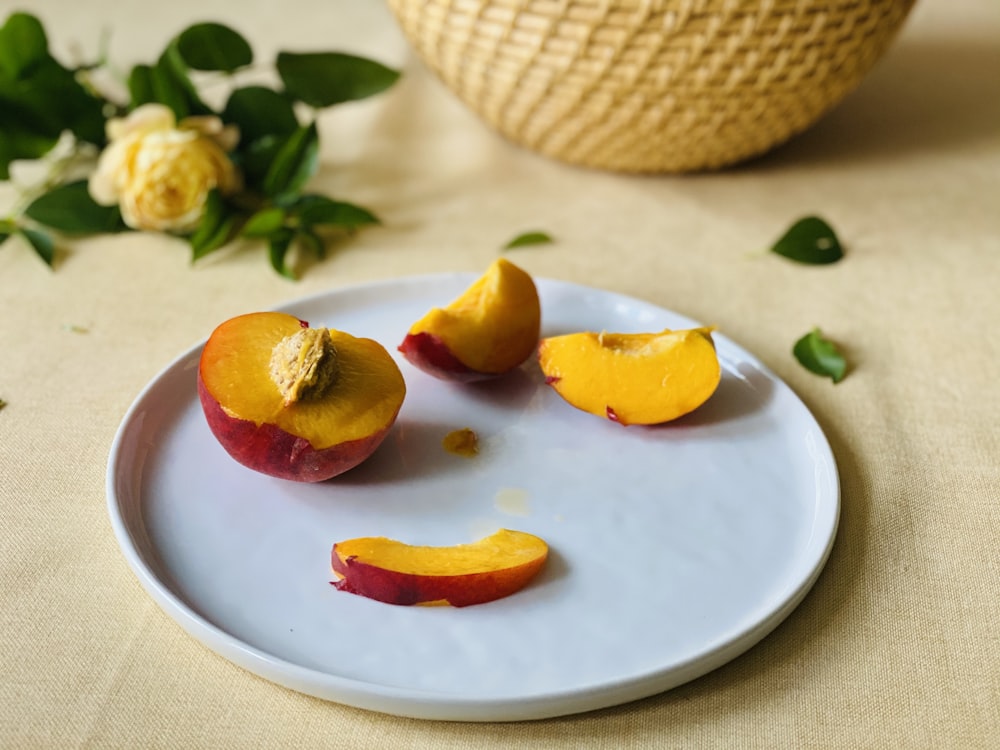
39 98
277 246
41 243
172 85
255 160
69 208
16 143
322 79
810 240
820 356
212 46
166 91
265 222
22 45
318 210
260 112
217 227
312 241
294 163
141 86
227 229
37 107
529 238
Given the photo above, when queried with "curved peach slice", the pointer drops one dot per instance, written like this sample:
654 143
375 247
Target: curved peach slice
633 378
297 402
390 571
490 329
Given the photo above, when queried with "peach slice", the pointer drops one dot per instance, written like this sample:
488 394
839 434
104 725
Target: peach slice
390 571
297 402
633 378
490 329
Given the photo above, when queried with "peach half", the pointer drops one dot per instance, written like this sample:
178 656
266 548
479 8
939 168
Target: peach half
297 402
633 378
490 329
397 573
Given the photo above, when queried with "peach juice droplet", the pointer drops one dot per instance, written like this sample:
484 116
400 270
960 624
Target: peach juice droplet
463 442
512 501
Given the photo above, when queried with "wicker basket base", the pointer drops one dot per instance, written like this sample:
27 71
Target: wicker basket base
650 85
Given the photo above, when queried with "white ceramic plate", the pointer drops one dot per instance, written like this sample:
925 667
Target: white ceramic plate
673 548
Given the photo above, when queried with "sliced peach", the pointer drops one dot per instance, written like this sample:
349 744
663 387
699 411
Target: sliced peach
490 329
633 378
390 571
297 402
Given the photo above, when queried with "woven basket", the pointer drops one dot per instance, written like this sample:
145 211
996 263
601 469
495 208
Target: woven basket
650 85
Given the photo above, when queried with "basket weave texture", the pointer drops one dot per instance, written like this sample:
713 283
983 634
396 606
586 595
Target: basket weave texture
650 85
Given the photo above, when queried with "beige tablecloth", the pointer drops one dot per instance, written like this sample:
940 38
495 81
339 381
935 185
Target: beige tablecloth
898 644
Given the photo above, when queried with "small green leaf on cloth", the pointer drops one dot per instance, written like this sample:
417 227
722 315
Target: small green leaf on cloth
212 46
70 209
2 404
820 356
810 240
323 79
529 238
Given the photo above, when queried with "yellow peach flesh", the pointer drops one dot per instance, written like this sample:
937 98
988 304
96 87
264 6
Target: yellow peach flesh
364 397
503 550
640 378
397 573
494 325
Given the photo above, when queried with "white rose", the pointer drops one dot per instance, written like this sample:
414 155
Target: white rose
160 172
